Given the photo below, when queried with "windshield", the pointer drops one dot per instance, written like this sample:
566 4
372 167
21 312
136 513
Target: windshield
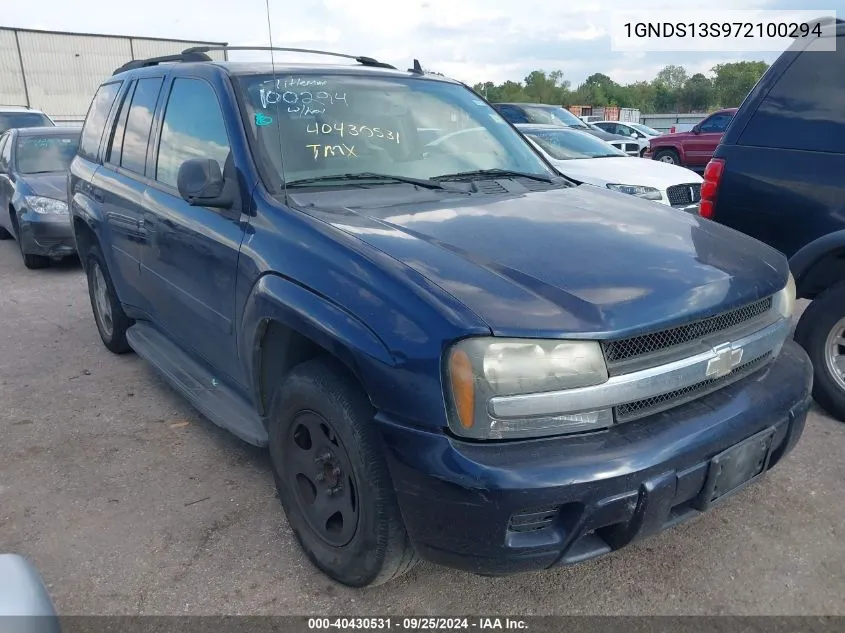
553 115
42 154
645 129
566 145
9 120
316 126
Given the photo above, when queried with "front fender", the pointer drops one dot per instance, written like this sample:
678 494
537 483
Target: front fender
275 298
804 260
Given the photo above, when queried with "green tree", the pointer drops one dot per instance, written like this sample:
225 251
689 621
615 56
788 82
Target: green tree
734 80
697 94
673 77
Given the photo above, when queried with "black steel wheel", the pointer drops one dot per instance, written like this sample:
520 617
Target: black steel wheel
332 477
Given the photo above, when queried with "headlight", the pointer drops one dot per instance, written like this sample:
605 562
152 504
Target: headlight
649 193
39 204
784 300
478 369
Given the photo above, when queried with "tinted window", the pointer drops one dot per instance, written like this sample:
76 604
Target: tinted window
137 134
92 131
554 115
8 120
193 128
5 152
716 123
512 114
44 154
804 110
115 143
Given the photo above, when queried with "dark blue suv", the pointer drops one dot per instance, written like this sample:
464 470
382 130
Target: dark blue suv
451 352
777 175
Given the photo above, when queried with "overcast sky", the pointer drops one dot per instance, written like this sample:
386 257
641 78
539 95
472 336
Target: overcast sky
471 40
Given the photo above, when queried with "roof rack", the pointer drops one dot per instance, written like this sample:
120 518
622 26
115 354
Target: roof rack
184 56
365 61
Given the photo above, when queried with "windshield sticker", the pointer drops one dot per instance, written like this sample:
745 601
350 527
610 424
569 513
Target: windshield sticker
352 129
347 151
263 119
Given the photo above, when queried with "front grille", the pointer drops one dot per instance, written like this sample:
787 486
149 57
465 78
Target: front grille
679 195
632 148
533 519
624 349
655 404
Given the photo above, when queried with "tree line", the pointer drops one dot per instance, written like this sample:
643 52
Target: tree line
672 90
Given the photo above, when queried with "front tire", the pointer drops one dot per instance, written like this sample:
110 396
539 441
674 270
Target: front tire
332 477
821 332
33 262
668 156
109 316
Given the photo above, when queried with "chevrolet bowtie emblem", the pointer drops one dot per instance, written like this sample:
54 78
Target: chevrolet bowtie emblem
726 359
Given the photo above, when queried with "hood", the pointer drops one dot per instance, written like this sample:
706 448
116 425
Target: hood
670 137
49 185
625 170
578 261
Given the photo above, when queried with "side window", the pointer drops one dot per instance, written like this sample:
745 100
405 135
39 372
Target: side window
95 121
5 152
803 110
137 133
193 128
115 143
512 114
716 123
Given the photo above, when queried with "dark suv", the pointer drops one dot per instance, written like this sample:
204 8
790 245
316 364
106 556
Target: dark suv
778 176
451 352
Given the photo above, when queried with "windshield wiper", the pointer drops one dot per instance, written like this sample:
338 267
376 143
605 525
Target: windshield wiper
493 173
421 182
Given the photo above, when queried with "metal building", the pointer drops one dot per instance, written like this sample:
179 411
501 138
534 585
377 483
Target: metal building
58 72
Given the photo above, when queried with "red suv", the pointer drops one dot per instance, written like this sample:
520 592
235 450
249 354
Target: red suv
694 148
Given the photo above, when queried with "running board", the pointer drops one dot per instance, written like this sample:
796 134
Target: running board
215 400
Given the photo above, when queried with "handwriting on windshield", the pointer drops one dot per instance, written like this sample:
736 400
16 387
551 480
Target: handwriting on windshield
304 101
352 129
347 151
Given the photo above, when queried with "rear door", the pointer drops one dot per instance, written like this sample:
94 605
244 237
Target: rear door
189 266
699 148
122 182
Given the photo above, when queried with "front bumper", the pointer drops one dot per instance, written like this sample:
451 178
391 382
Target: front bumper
501 508
49 235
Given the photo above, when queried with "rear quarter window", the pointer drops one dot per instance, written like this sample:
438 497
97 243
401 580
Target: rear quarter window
804 109
95 121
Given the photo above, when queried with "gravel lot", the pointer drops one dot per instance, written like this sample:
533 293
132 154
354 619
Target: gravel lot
129 502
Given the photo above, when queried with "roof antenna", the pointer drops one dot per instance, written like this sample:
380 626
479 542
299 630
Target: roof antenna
417 69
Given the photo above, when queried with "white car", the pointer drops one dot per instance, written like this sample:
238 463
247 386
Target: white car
640 133
586 159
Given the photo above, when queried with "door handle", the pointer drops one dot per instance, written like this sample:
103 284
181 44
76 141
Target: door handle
98 196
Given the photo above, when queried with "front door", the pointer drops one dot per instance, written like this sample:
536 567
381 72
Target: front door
701 146
190 266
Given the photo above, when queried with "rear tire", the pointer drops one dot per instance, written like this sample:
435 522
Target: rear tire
821 332
332 477
109 316
668 156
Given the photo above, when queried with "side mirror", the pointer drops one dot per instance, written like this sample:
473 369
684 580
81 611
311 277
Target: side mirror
200 183
696 129
634 135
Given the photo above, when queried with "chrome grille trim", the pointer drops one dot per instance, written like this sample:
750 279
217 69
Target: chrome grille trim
639 385
684 194
649 406
625 349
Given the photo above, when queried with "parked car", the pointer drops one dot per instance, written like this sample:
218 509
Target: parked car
778 176
34 164
541 114
640 133
694 148
21 116
452 352
576 155
590 118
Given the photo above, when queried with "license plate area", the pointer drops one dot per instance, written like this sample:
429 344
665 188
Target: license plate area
733 469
